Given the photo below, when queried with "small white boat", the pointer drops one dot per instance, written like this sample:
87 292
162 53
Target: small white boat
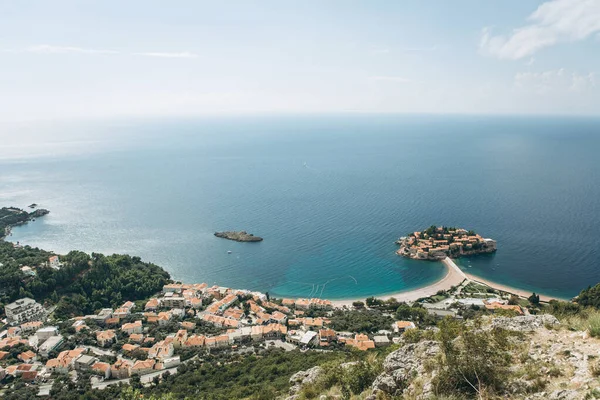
228 251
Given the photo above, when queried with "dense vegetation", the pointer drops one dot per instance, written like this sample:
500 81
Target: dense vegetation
365 321
256 377
590 296
83 284
217 377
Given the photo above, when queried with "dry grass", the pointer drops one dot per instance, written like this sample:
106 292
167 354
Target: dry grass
594 368
587 320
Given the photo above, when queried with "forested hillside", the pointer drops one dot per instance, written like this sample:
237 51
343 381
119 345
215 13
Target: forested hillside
82 285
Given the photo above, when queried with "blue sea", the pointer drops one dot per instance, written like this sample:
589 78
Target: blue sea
329 194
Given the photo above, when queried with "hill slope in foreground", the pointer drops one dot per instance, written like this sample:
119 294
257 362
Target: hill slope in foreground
525 357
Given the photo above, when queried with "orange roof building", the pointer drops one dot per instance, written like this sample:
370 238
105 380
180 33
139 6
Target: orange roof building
361 342
27 356
130 347
188 325
499 306
136 337
151 305
195 341
141 367
105 338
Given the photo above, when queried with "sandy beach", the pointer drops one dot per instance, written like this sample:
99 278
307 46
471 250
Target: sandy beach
453 277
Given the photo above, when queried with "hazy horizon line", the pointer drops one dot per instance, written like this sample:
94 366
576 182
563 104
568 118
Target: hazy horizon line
267 114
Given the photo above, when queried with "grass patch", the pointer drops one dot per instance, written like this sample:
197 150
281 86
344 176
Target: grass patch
586 320
594 369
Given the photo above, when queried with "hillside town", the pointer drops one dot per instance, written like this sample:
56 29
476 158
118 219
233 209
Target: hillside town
147 338
437 243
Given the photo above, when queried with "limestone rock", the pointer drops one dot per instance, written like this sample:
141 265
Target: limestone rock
524 323
402 365
564 395
302 378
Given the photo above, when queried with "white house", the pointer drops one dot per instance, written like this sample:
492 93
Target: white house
24 310
54 262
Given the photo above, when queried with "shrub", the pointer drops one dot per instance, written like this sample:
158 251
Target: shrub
473 361
412 335
358 378
594 325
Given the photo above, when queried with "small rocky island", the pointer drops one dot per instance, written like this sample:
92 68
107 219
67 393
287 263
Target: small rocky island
437 243
241 236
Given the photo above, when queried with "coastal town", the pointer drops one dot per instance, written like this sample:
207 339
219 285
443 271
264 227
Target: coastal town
148 336
146 339
436 243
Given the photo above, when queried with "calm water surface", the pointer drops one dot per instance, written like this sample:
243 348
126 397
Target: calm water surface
329 195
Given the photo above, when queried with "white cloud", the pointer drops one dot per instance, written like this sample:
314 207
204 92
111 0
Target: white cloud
184 54
48 49
530 62
580 83
396 79
553 22
554 81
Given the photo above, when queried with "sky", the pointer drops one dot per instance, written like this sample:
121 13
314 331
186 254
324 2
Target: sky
97 59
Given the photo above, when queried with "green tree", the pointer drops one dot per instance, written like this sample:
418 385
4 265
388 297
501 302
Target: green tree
534 299
358 304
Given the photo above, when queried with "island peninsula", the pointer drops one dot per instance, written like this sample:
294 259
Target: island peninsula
436 243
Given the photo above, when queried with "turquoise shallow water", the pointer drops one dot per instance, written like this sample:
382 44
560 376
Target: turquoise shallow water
329 195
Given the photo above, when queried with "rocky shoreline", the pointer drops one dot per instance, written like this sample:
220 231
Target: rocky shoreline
238 236
12 216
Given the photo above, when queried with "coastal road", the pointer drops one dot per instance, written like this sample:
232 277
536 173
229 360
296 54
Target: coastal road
105 384
147 379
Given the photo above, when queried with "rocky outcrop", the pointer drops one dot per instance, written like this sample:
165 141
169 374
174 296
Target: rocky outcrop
238 236
39 213
401 366
525 323
406 375
548 361
303 378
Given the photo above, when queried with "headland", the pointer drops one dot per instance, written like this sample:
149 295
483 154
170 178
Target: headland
12 216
